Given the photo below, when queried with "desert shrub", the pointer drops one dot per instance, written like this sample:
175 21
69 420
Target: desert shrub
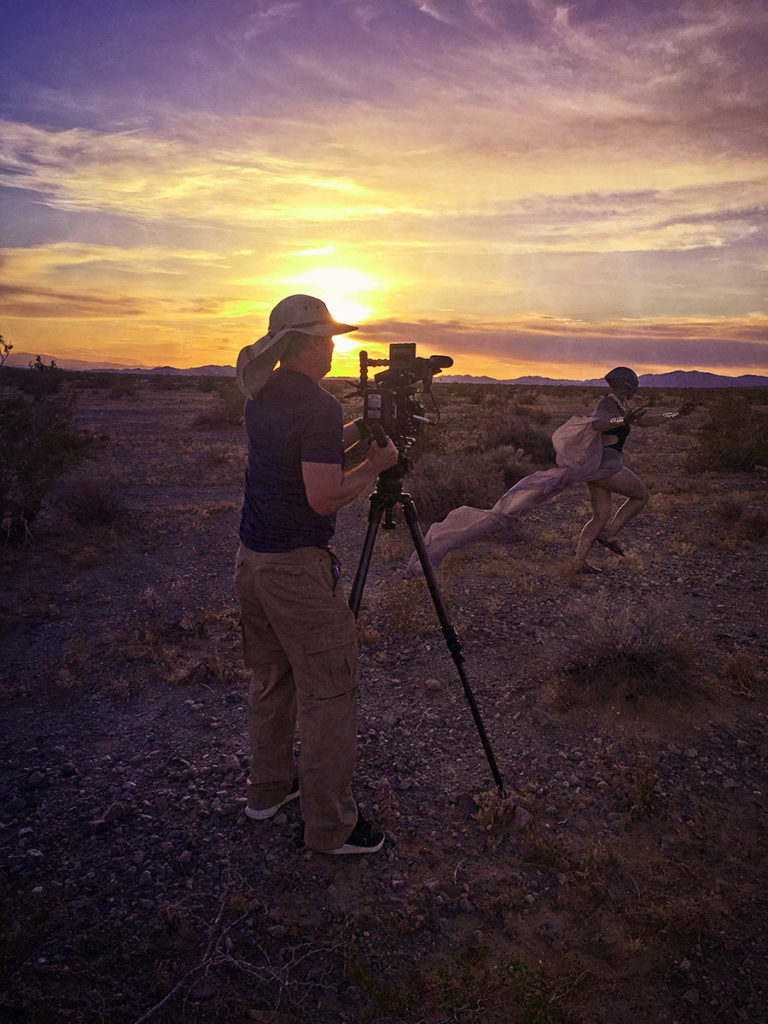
37 443
754 525
633 653
93 500
430 441
744 525
438 484
167 382
733 439
101 380
123 387
730 508
38 379
228 410
516 466
5 349
534 414
474 393
519 433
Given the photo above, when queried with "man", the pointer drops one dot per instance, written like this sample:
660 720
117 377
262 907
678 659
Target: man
299 636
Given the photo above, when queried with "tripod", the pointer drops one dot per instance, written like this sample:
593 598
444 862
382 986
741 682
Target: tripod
386 496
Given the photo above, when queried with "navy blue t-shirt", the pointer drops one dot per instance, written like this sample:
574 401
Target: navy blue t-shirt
290 421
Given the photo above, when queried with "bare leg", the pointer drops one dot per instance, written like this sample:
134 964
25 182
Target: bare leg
637 499
601 510
600 492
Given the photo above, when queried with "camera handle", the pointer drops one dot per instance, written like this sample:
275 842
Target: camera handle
387 495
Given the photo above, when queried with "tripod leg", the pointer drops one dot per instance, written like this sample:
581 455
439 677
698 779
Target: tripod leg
452 640
374 521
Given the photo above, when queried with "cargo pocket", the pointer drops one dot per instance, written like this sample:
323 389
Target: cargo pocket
330 670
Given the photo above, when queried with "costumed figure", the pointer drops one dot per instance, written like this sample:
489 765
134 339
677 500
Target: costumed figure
587 450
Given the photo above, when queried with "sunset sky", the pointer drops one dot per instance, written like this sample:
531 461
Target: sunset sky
530 187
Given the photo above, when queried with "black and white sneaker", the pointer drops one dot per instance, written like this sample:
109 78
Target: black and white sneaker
264 813
363 839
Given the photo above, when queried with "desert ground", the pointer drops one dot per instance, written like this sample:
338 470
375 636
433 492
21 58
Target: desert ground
620 875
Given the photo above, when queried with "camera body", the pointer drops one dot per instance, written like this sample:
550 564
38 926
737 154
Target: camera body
390 402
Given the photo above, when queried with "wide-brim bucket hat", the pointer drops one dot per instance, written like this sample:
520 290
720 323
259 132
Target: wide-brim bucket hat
303 314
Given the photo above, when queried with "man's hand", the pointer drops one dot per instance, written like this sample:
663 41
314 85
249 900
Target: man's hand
329 488
382 458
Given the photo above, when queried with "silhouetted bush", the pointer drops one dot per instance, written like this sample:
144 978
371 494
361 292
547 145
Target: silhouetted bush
123 386
438 484
229 407
37 443
519 433
734 438
535 415
168 382
93 500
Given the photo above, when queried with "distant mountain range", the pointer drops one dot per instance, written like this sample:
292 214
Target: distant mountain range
674 379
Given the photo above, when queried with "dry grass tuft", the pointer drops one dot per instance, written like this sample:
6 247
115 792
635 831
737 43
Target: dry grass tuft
496 811
599 857
633 777
406 609
683 918
740 673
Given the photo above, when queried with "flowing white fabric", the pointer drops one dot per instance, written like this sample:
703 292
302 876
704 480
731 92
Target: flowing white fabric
579 453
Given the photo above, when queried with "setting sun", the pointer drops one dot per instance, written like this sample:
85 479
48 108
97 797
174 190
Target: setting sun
340 288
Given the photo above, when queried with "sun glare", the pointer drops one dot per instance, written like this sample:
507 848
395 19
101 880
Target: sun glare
340 288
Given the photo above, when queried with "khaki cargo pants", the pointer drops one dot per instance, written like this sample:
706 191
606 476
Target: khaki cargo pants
300 641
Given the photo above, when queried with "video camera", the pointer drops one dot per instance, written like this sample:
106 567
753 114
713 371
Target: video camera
390 403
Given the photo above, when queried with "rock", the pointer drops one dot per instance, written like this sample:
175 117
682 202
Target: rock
115 812
466 805
522 818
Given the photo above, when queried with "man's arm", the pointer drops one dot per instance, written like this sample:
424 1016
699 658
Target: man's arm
354 432
329 488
